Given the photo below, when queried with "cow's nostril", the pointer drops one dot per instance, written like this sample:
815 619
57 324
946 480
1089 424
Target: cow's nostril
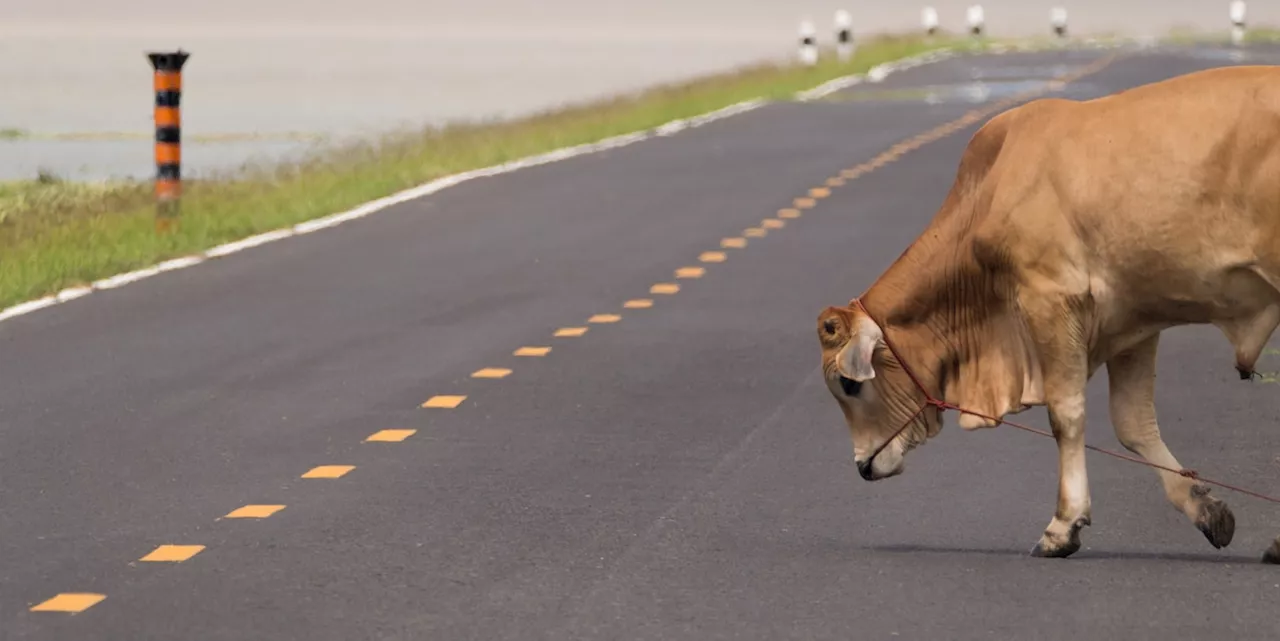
864 470
850 386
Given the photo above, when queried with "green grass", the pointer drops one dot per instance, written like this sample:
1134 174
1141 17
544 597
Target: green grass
1190 36
1262 36
56 234
52 199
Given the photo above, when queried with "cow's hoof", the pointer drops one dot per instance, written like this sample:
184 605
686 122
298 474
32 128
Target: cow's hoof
1057 545
1272 555
1216 522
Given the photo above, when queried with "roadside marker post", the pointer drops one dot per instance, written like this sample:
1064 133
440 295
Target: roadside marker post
808 44
977 20
1237 22
1058 20
168 144
929 19
844 35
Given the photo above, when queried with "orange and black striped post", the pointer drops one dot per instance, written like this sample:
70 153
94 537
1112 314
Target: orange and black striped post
168 87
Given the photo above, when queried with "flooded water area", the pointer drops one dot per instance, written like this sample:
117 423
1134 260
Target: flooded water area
253 98
986 78
993 78
266 76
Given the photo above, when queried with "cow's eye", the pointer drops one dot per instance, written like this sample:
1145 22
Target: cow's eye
830 326
850 386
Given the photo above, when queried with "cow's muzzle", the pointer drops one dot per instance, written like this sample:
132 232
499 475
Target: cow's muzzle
890 460
866 471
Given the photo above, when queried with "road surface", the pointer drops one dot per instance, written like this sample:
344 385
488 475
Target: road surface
677 471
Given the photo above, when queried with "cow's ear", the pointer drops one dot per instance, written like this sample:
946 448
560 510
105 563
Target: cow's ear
854 359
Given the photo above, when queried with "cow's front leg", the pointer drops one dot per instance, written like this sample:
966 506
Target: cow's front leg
1062 537
1057 329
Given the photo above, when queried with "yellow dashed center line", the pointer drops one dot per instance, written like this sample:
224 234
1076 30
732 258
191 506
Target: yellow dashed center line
172 553
69 602
72 602
328 472
390 436
254 511
445 401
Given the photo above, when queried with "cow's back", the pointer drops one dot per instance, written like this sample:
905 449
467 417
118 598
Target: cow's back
1158 196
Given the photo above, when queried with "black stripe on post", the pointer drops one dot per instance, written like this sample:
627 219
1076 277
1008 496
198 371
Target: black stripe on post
168 61
169 134
168 98
169 171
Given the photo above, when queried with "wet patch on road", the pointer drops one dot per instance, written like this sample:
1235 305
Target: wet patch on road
977 79
972 92
1226 55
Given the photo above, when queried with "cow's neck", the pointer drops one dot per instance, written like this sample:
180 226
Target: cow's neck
951 316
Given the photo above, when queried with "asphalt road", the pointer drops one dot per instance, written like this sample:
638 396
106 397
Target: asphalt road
680 473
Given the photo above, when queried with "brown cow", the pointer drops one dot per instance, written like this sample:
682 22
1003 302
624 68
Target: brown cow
1073 234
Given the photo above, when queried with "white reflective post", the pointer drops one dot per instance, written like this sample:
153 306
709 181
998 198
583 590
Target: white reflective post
844 35
977 19
929 18
1237 22
808 43
1058 20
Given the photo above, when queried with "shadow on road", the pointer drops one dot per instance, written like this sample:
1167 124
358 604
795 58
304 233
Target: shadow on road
1082 555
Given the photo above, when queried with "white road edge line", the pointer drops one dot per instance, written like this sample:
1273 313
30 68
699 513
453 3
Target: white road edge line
876 74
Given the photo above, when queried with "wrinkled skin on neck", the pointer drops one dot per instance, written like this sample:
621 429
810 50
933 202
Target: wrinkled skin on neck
948 306
949 312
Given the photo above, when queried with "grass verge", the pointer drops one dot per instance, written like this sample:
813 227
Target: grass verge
55 235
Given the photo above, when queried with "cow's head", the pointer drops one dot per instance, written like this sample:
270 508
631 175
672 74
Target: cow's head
876 395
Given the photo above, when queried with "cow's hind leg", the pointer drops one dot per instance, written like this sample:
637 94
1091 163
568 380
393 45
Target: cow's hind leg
1272 555
1132 380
